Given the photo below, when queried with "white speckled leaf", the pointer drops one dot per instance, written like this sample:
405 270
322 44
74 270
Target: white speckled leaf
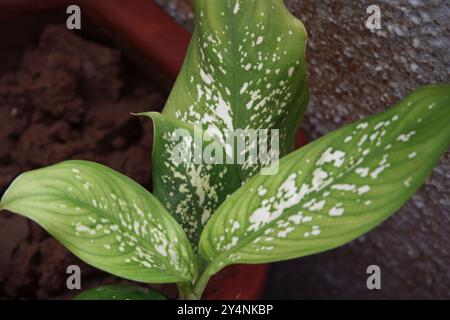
106 219
190 191
334 189
244 69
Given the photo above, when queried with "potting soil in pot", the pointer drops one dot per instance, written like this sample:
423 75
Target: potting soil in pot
68 99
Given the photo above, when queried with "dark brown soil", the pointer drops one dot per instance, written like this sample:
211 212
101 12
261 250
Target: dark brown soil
69 98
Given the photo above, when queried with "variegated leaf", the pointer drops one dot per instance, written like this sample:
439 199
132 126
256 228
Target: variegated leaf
244 69
192 189
334 189
106 219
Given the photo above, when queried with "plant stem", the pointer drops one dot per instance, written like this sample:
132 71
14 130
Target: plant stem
186 292
201 283
189 292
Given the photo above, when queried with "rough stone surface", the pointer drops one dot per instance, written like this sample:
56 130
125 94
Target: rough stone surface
353 73
181 10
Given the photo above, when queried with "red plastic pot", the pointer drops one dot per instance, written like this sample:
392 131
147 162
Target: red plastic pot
141 27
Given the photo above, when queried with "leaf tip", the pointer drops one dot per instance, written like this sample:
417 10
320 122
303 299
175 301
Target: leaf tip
4 199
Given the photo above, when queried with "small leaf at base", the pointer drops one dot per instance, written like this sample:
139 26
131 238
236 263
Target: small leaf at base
119 292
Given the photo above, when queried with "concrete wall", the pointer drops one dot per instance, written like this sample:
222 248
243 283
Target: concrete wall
353 73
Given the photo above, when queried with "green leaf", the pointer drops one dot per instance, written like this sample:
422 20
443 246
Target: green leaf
244 69
106 219
191 190
120 292
334 189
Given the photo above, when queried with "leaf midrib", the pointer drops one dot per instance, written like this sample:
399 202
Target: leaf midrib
235 40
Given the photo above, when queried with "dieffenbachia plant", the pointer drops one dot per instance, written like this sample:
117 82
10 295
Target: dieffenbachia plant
244 69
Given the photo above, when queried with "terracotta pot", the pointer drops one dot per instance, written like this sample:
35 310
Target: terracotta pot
142 27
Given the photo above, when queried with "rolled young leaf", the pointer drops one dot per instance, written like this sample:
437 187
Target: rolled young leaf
245 69
120 292
334 189
191 190
106 219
